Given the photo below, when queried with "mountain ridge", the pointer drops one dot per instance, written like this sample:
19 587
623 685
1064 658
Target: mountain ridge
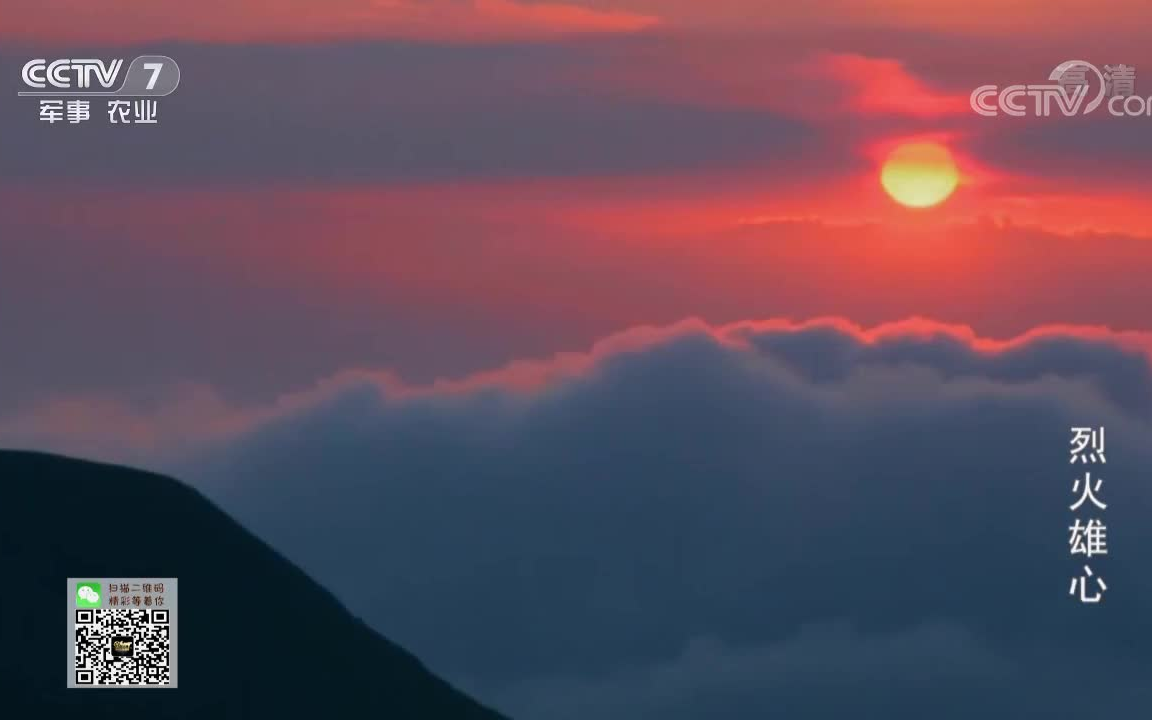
257 636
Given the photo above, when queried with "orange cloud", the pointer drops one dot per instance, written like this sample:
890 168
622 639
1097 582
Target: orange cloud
251 20
1018 19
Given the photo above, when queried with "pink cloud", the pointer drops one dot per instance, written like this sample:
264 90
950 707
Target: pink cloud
560 17
883 86
248 20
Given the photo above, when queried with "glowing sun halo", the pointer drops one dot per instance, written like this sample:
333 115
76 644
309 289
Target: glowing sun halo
919 174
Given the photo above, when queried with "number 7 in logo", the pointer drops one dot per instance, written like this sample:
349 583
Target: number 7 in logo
155 68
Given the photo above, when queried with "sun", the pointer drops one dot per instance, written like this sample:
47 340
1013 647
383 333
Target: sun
919 174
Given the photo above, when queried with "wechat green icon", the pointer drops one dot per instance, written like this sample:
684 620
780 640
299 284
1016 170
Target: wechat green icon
88 594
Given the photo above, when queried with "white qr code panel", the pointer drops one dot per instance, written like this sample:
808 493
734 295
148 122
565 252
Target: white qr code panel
122 633
122 646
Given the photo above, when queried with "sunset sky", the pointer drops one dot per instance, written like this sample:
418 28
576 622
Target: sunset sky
458 242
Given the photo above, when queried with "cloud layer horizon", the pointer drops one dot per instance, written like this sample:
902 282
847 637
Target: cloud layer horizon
694 521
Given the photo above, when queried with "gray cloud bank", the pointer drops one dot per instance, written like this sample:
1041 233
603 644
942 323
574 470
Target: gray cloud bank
745 522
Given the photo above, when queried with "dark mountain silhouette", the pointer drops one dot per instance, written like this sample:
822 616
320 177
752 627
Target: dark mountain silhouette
257 637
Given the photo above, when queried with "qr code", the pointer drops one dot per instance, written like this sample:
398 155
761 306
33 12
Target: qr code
122 646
